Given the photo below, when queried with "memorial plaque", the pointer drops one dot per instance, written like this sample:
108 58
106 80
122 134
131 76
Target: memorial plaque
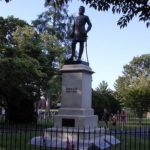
71 90
68 123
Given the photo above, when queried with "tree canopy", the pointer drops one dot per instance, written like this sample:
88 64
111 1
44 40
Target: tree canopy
55 21
30 57
128 9
103 97
133 87
28 60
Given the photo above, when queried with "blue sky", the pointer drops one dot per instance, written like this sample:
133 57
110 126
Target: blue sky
109 47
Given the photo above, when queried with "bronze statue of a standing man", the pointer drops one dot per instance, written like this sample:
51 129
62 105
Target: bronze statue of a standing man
79 33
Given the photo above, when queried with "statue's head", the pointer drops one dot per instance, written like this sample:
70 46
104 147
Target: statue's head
81 10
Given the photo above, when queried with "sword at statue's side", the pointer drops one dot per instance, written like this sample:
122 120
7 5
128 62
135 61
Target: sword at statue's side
86 51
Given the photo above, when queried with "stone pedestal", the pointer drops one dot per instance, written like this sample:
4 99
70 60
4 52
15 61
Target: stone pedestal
75 121
81 138
76 108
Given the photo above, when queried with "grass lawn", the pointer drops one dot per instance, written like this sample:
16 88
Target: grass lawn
18 140
17 137
128 142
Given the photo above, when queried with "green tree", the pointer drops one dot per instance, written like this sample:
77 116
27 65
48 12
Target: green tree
138 96
103 97
55 21
28 60
7 27
53 93
133 87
